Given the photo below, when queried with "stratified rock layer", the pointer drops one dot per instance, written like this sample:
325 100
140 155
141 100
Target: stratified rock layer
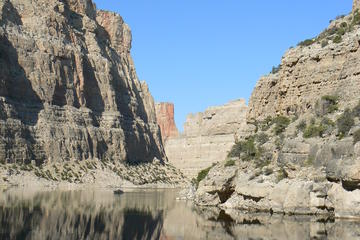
207 137
68 86
166 121
307 73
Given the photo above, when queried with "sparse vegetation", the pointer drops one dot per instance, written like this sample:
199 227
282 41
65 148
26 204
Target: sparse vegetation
262 138
301 126
202 175
245 150
337 39
229 163
314 130
345 122
306 42
326 105
356 136
275 70
281 123
282 174
324 43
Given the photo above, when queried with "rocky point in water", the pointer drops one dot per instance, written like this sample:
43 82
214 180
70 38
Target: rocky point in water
72 108
301 151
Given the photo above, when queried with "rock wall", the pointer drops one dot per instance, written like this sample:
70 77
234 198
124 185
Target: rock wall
166 121
207 137
68 86
307 73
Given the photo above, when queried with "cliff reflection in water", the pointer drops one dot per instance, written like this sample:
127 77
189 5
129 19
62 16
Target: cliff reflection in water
148 215
82 215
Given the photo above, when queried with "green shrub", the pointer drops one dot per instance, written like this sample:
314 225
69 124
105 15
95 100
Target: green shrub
245 150
326 105
202 175
356 136
282 174
340 31
301 126
327 121
229 163
345 122
275 70
281 123
337 39
324 43
306 42
266 124
314 130
262 138
344 25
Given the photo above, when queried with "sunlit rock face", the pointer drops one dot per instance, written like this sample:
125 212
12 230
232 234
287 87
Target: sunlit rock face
207 137
307 73
165 119
68 86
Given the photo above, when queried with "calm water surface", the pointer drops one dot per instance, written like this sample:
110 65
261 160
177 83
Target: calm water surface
147 215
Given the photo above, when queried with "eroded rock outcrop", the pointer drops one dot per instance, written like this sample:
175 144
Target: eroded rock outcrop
207 137
68 86
165 119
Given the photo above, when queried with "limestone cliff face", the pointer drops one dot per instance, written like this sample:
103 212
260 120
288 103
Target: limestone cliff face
307 73
166 121
207 137
68 86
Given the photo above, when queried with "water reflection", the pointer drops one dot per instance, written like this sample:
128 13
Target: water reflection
147 215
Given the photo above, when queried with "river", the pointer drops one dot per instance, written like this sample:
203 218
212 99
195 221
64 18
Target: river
147 214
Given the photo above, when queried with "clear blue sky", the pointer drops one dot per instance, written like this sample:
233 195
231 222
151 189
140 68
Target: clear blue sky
200 53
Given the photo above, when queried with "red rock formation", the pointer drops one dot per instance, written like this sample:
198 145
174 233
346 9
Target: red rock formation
165 119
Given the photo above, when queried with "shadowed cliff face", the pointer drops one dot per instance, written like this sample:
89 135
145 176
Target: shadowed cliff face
68 86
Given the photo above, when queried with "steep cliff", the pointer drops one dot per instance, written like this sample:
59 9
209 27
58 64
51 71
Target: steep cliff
302 156
166 121
68 86
207 137
72 109
325 65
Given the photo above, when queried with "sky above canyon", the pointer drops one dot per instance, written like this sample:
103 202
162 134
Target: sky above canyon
203 53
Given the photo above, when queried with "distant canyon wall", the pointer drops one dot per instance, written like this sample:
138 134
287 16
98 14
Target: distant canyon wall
207 137
166 120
